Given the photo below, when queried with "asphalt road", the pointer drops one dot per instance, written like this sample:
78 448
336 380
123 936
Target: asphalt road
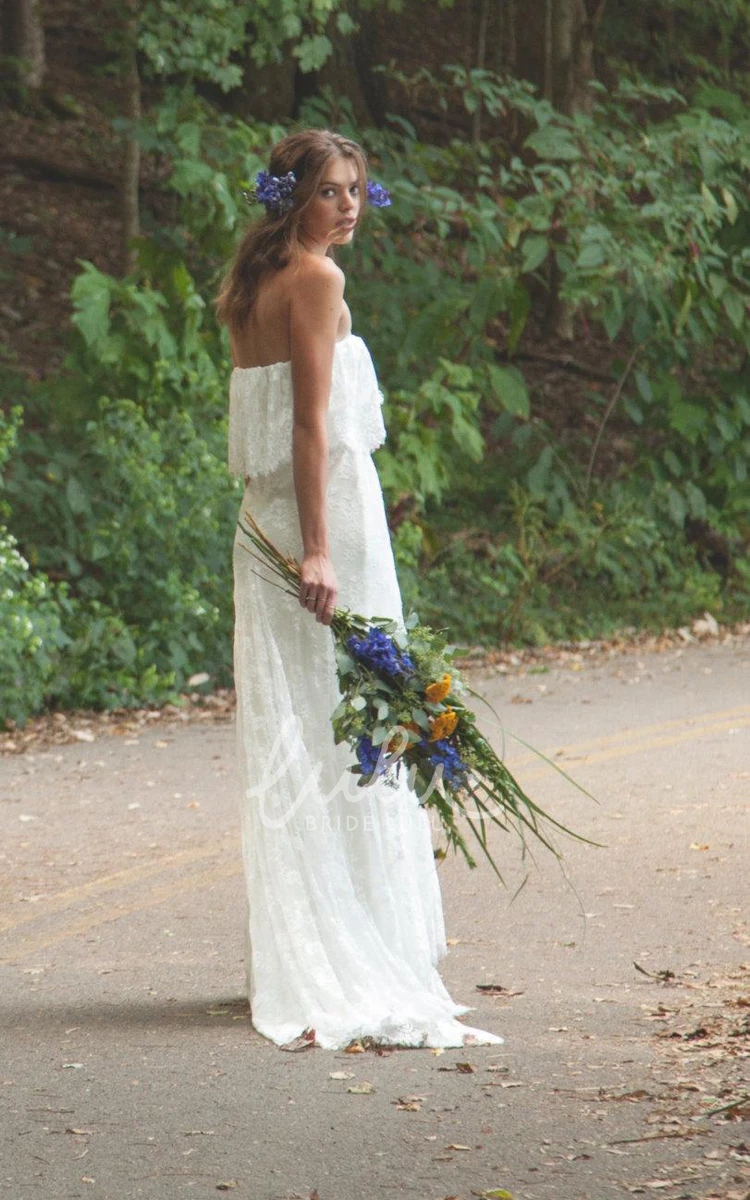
129 1067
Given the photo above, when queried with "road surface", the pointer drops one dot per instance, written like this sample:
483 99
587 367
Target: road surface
129 1066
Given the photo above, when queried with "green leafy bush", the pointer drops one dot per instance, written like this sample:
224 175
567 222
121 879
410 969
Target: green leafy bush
31 632
121 489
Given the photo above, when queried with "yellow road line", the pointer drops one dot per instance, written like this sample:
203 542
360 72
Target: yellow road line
620 745
108 883
25 946
637 734
653 743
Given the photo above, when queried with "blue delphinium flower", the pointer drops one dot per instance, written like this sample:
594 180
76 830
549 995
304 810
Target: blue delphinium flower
368 756
444 754
275 191
377 195
379 652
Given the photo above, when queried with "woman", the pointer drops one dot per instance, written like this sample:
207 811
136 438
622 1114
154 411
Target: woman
345 922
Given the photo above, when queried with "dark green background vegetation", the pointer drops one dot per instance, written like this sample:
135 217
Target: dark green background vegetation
557 303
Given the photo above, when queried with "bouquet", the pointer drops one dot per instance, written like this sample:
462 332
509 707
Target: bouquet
402 709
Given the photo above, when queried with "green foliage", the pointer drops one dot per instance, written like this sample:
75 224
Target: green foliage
644 225
124 492
195 40
695 44
586 574
434 430
510 521
30 627
198 41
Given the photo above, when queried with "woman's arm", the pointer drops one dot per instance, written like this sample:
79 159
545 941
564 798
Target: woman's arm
314 313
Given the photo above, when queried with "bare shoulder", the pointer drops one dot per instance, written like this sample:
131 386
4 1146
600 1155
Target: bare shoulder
319 276
315 304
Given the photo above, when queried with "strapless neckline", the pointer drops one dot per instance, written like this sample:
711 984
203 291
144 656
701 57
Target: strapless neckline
287 362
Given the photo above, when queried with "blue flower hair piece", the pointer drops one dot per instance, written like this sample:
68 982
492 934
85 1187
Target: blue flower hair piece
377 195
275 191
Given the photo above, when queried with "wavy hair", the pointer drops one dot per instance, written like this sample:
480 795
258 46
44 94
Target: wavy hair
274 240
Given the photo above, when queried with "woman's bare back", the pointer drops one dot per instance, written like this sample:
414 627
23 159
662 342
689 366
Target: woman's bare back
265 336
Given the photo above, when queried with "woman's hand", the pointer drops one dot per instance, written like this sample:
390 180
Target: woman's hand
318 587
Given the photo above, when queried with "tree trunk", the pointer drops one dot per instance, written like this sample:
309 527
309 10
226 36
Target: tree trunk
23 39
548 72
573 26
348 70
131 170
484 16
556 52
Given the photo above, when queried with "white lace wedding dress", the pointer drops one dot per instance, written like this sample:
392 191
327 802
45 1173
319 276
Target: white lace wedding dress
345 922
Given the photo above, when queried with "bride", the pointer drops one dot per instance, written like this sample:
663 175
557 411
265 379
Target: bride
344 923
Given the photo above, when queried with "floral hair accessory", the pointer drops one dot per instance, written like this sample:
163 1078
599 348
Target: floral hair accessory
377 194
275 191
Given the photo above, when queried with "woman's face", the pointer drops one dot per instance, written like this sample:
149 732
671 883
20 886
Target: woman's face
331 215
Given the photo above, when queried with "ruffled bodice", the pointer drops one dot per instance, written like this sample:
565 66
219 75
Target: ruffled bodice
261 410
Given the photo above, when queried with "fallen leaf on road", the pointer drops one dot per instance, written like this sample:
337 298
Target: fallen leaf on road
465 1068
340 1074
457 1146
78 1132
660 976
72 1066
228 1186
354 1048
495 989
361 1089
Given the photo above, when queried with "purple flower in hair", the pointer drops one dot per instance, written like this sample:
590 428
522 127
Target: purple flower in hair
275 191
377 194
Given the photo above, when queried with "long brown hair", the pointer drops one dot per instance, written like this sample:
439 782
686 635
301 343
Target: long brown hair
274 240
